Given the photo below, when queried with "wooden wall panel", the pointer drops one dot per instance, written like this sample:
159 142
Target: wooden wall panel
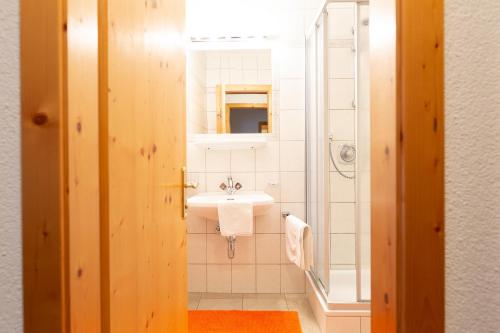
60 166
421 249
145 115
83 166
385 165
43 165
406 42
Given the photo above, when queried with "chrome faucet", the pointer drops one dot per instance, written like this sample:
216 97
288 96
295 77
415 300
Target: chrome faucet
230 188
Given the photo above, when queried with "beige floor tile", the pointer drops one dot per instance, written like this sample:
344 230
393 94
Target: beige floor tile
298 302
264 304
280 302
220 295
268 296
220 304
193 300
296 296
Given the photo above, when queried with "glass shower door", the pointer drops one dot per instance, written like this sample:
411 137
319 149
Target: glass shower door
363 167
317 164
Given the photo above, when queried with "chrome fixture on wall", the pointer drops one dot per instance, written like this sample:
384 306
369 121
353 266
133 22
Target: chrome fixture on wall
230 188
347 156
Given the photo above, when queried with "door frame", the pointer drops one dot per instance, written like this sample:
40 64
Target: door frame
407 164
407 78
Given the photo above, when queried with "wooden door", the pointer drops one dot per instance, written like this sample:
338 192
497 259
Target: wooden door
143 137
103 131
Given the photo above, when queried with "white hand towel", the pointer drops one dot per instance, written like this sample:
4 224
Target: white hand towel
235 218
298 242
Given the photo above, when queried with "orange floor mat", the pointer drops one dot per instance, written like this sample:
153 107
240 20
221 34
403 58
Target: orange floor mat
215 321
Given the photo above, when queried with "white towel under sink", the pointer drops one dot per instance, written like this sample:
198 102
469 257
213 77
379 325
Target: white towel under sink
235 217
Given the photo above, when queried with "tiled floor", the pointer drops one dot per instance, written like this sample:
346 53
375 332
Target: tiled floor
292 302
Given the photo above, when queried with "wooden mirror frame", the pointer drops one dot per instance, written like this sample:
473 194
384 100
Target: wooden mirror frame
223 109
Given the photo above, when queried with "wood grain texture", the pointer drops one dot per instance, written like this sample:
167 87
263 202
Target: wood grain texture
83 166
421 246
145 113
44 169
104 162
385 165
407 166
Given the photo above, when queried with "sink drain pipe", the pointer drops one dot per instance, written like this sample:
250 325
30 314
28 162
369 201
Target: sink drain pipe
231 244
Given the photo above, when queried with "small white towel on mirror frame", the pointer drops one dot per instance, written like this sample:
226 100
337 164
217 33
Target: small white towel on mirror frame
235 218
298 237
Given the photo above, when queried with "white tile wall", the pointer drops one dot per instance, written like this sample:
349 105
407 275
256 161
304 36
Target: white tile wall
218 161
342 218
218 278
292 156
268 279
267 158
343 249
268 248
277 168
234 67
292 96
261 254
342 63
342 189
293 64
292 186
341 96
196 89
197 248
341 21
269 223
243 279
292 279
246 250
342 124
292 126
197 278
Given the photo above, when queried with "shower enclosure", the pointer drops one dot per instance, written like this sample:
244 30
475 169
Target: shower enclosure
338 151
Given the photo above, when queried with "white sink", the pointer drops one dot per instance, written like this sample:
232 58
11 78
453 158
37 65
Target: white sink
205 204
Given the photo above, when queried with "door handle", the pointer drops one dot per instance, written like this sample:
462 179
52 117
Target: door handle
185 186
193 185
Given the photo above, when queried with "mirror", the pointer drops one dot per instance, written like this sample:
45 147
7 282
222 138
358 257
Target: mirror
244 109
229 92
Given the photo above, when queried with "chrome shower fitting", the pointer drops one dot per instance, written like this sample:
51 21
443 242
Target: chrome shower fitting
347 154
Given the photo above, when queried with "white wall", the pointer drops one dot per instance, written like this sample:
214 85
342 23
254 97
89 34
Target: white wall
196 92
10 212
260 265
472 74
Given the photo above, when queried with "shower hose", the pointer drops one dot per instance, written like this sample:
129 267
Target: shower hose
330 148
